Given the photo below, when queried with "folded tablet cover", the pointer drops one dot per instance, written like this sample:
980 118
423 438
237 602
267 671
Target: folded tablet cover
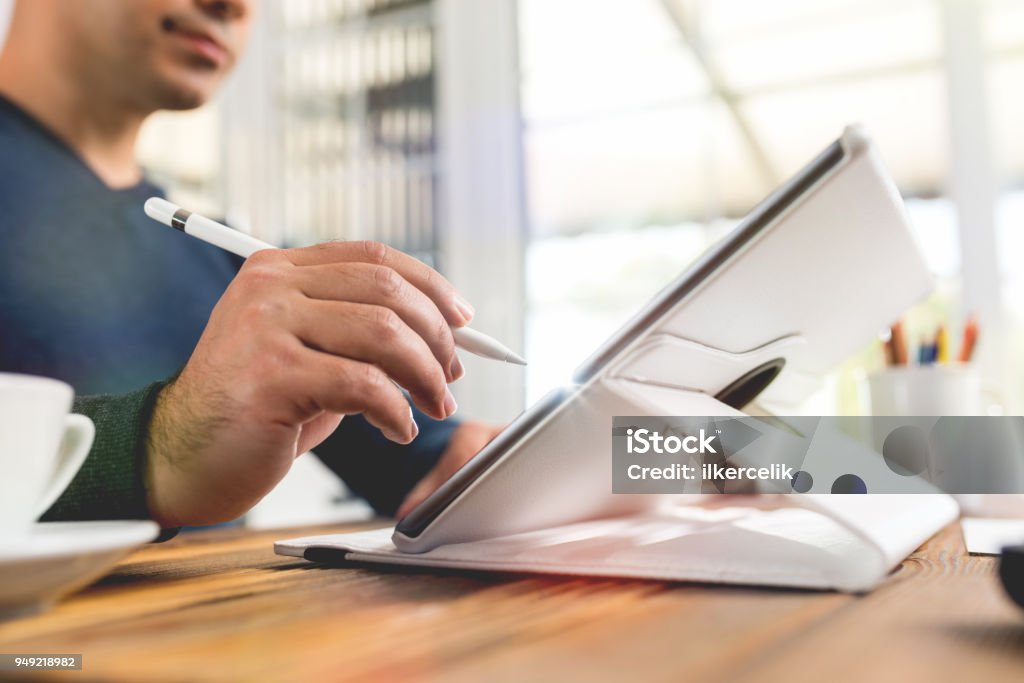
794 547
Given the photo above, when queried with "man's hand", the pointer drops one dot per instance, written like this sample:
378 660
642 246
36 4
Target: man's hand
301 338
466 441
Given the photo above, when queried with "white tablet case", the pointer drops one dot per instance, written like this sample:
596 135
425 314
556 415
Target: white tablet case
825 275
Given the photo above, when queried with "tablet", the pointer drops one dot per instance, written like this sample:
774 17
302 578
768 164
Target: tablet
786 273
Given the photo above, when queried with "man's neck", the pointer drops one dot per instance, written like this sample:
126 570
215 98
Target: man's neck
102 133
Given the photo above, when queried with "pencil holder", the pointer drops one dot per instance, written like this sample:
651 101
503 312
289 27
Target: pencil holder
929 390
923 394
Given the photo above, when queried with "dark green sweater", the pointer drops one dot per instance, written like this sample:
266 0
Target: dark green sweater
111 483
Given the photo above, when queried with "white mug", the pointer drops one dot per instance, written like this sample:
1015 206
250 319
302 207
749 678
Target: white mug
42 447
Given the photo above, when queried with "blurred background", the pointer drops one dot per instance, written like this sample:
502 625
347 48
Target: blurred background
562 160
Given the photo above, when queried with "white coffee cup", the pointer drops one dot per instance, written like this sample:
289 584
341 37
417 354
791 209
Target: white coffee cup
42 447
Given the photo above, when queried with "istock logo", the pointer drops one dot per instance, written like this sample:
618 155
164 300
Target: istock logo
646 441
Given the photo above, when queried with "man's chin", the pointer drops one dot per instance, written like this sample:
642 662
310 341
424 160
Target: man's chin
185 93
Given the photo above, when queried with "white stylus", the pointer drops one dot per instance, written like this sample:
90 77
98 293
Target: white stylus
244 245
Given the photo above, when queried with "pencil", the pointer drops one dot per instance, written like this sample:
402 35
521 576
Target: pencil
942 345
890 351
970 340
899 343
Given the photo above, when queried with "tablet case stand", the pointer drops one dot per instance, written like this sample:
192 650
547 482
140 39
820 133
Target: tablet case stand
846 543
734 379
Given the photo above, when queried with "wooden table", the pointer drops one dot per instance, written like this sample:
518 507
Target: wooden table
219 605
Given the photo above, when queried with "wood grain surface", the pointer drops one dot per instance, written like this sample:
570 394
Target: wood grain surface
219 605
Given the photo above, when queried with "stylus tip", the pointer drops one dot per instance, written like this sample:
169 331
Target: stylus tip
514 359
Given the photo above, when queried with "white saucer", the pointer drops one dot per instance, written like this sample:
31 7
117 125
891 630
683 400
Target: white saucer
56 558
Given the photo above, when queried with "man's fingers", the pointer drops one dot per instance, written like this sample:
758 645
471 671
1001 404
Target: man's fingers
348 387
377 335
453 307
366 283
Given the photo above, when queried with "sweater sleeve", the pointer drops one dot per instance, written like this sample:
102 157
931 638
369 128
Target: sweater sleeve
111 483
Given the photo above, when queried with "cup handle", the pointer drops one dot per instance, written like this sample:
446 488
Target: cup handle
74 446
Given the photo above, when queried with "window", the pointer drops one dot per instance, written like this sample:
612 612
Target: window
653 125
